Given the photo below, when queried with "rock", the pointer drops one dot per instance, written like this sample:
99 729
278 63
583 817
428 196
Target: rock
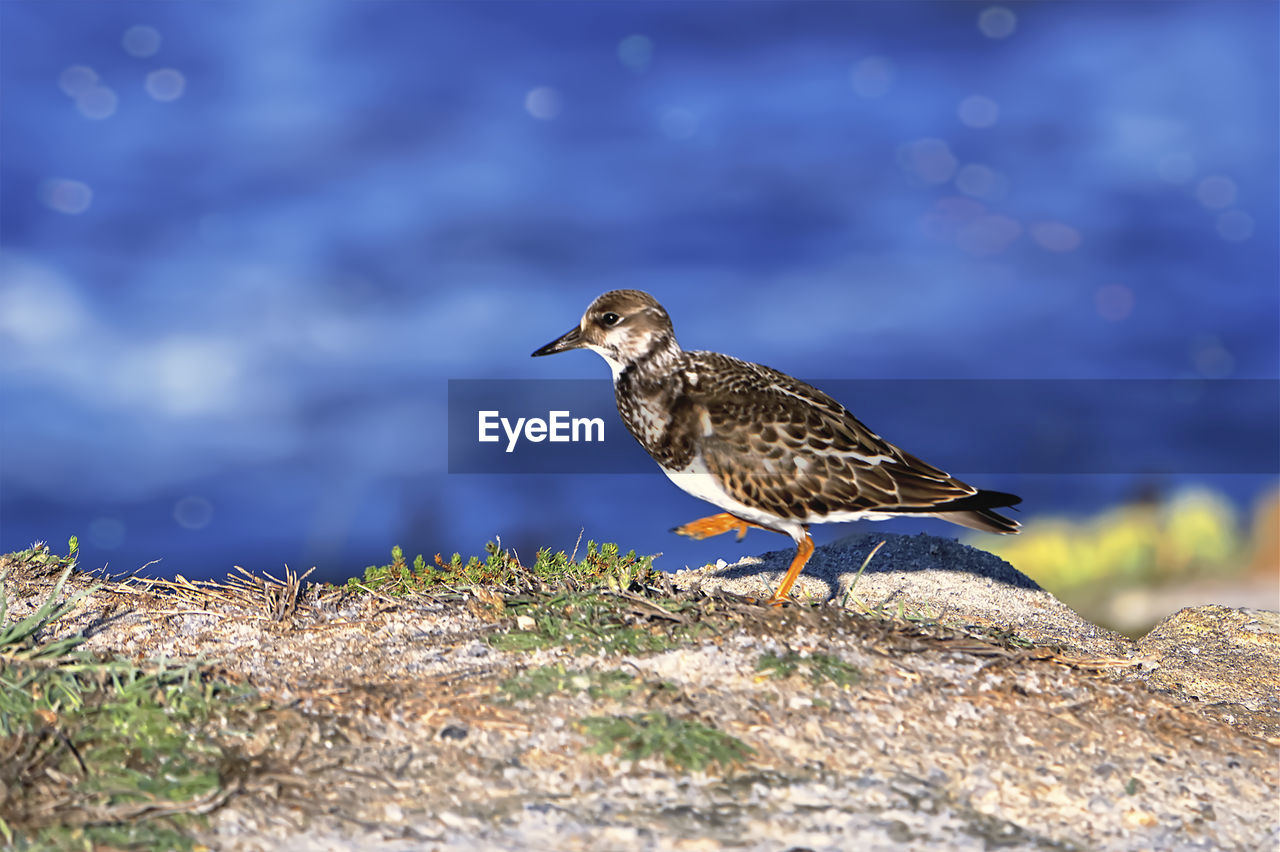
1225 662
936 578
866 732
1227 659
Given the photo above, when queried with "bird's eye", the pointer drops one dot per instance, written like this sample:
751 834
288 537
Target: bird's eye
610 318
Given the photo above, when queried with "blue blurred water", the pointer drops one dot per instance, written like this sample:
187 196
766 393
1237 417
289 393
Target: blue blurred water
244 247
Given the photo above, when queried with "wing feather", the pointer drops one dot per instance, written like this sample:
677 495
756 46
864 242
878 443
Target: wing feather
784 446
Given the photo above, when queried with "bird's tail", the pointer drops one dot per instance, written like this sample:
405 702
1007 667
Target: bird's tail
983 520
975 512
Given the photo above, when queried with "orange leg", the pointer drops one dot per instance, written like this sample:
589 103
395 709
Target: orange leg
803 551
714 525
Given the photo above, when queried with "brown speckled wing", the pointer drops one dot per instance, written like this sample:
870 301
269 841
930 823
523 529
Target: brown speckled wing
778 444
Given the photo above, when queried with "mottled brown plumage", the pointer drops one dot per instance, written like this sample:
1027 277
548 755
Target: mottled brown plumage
772 451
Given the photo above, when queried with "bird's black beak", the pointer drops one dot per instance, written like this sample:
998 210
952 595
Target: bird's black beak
571 339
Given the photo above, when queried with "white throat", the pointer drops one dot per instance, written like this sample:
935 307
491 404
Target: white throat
614 367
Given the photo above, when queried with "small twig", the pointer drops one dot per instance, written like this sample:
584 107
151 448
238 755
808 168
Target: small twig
660 612
845 601
377 595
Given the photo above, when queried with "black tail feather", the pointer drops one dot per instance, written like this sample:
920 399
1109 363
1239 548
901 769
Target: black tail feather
975 512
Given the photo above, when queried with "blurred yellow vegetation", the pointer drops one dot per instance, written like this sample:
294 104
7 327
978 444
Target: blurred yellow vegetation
1195 533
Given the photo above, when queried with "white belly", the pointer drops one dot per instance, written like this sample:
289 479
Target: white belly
701 483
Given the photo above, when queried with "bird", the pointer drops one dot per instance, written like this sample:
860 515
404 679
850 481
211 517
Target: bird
769 450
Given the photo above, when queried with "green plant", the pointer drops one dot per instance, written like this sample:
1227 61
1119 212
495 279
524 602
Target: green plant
819 668
614 684
18 638
601 565
99 752
596 622
684 745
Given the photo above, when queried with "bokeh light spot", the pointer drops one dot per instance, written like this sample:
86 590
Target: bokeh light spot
678 123
1178 167
997 22
979 181
1235 225
166 84
97 102
929 160
106 533
1216 192
1114 302
978 111
193 513
77 80
141 41
1055 236
871 77
66 196
543 102
636 52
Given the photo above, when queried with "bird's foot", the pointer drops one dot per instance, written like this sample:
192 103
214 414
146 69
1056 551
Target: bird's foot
715 525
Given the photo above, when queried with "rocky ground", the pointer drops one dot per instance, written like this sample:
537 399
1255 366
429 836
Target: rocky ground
943 702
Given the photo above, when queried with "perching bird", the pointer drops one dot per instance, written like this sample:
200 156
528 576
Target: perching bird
768 449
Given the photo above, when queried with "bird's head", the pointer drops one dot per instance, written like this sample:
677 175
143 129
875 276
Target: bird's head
623 326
